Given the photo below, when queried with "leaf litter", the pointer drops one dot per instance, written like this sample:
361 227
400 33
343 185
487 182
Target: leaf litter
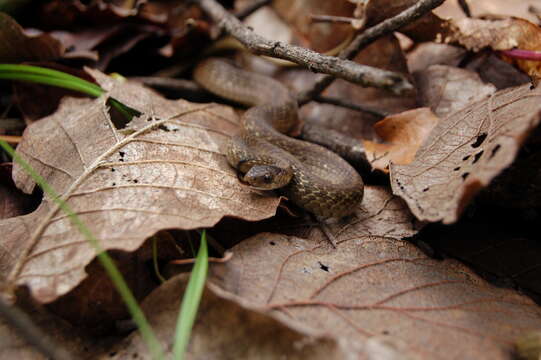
376 294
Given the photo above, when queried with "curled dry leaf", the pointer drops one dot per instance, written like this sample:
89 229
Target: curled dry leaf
166 170
16 46
228 328
402 134
372 286
465 151
446 89
507 34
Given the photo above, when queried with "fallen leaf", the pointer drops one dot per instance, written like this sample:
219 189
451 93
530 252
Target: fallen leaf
522 9
165 170
228 328
372 286
465 152
16 46
402 134
431 53
506 34
446 89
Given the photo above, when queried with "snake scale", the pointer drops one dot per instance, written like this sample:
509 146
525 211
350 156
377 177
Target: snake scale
311 176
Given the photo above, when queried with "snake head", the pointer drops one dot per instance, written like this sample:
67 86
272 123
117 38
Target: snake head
267 177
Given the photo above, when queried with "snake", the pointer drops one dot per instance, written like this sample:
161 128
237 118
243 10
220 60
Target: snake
267 157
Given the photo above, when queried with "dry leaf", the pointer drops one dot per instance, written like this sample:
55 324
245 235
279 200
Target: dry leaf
372 286
430 53
228 328
164 171
16 46
402 134
507 34
521 9
465 152
446 89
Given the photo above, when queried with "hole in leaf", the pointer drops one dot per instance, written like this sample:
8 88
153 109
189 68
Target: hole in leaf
495 150
477 156
465 176
120 114
164 128
323 266
480 139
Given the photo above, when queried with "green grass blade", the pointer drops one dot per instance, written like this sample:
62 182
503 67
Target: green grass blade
191 299
36 70
106 261
47 80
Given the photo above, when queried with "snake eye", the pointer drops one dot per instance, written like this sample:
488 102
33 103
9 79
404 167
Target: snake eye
267 178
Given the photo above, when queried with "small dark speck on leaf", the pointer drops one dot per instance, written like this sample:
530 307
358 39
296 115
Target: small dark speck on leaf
114 184
425 189
164 128
480 139
121 153
272 243
112 353
495 150
385 332
323 266
457 168
477 156
113 170
135 181
465 176
466 157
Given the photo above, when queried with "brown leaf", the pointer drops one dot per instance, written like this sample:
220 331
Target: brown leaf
228 328
372 286
522 9
465 152
16 46
166 170
507 34
402 134
446 89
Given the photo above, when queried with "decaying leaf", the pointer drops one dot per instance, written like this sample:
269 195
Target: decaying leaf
372 286
465 152
16 46
228 328
402 135
165 170
507 34
446 89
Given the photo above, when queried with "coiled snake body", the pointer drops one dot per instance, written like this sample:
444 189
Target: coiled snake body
311 176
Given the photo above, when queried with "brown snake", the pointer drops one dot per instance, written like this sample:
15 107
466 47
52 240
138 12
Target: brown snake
311 176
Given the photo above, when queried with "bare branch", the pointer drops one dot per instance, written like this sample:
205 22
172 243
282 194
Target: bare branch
370 35
345 69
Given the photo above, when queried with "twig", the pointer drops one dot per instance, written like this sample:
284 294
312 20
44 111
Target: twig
339 102
368 36
331 18
345 69
33 335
